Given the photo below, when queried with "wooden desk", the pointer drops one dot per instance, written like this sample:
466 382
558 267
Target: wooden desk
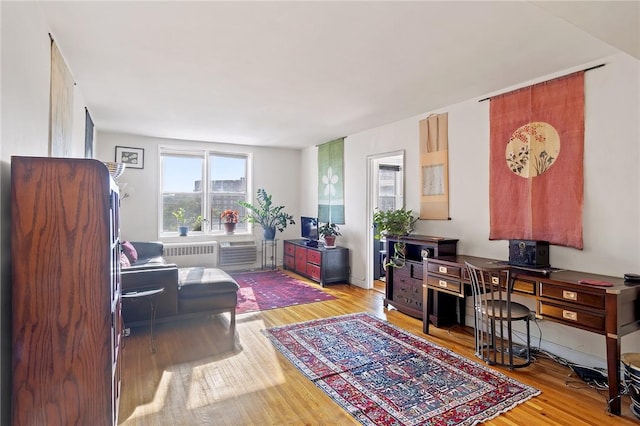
609 311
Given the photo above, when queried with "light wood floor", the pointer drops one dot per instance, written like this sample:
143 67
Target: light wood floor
198 377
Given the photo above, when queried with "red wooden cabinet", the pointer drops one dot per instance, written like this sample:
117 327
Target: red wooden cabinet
319 264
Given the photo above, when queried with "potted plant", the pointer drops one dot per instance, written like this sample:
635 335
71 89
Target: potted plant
394 224
329 231
270 217
197 223
229 219
183 228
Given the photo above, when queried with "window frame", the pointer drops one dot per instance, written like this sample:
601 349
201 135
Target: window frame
204 155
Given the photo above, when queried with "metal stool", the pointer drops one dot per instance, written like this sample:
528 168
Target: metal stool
149 294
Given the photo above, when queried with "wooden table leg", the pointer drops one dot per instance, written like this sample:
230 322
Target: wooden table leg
426 312
613 373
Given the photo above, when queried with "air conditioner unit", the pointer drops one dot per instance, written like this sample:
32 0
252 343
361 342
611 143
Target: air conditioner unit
237 253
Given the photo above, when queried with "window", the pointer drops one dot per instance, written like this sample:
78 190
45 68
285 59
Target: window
388 186
203 183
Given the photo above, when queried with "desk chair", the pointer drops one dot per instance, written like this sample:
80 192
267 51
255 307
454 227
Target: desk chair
494 313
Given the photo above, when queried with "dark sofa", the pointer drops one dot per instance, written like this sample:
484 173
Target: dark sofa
150 270
186 290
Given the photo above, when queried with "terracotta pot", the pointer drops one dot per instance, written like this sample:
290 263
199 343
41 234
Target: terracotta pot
330 241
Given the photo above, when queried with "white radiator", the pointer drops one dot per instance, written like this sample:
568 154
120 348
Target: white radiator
237 253
192 254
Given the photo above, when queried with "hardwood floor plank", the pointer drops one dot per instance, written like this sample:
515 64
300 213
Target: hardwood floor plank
199 376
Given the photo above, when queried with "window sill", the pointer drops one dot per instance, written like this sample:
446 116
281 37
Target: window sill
171 238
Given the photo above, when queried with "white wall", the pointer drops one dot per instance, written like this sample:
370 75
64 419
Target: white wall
275 170
24 130
611 215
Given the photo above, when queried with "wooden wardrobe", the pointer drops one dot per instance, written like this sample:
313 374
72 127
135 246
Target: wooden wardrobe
65 251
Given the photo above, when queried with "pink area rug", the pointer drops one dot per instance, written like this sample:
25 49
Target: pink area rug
383 375
260 291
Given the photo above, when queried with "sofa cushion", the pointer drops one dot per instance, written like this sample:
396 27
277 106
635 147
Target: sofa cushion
130 251
199 282
150 261
124 261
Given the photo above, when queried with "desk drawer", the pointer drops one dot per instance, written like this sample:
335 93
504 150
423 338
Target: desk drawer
574 317
442 283
573 295
440 269
524 286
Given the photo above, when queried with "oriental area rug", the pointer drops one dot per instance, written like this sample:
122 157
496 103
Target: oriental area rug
260 291
383 375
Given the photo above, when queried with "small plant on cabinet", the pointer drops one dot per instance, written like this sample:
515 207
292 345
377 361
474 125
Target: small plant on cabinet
329 231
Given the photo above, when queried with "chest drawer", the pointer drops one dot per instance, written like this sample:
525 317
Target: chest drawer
314 256
313 271
403 275
289 249
415 269
289 262
581 297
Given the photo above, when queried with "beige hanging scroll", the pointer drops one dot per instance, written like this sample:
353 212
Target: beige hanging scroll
434 167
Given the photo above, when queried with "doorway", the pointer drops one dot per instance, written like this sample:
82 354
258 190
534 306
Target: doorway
385 190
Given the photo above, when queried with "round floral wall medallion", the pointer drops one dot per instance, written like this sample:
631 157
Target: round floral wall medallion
532 149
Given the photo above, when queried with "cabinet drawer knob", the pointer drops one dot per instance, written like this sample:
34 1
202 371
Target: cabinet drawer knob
571 295
442 269
570 315
442 283
495 280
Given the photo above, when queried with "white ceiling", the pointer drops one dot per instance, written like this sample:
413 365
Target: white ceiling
295 74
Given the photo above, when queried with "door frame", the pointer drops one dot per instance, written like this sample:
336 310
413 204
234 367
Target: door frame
372 176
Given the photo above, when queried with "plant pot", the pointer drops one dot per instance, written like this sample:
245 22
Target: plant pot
330 241
183 230
269 233
229 228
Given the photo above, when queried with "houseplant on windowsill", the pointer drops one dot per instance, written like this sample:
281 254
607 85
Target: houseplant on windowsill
394 224
270 217
183 228
329 231
229 219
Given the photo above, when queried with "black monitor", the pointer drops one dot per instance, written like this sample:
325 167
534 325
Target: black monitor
309 228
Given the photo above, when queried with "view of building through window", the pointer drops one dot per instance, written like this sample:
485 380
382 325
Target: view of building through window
183 174
387 186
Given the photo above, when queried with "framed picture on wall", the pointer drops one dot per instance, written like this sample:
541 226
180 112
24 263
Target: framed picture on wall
132 157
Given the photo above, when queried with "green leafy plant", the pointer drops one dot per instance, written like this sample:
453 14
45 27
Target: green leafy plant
266 214
197 223
329 230
180 216
182 220
394 224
